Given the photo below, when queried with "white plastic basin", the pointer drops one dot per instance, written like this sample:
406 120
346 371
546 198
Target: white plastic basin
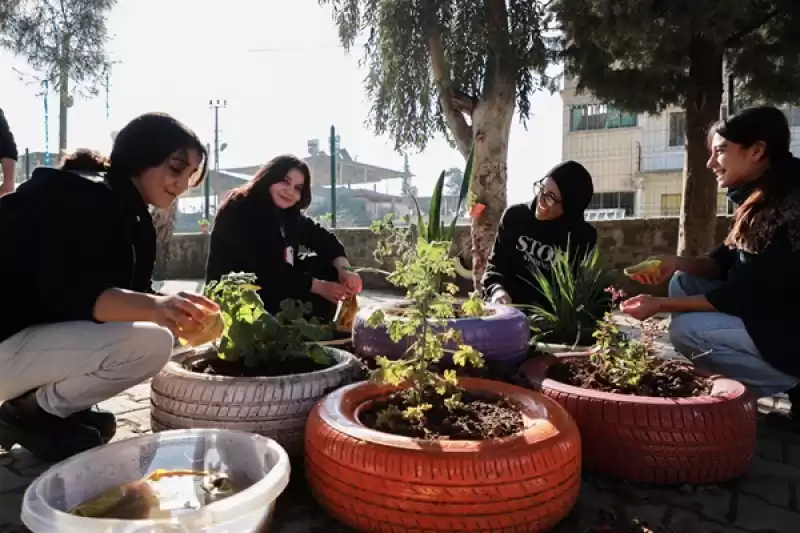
259 460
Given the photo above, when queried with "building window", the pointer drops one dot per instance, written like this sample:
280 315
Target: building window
614 200
677 129
599 117
671 205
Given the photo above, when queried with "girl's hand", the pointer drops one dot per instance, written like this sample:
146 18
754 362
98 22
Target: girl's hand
641 307
668 267
351 280
330 290
182 311
500 297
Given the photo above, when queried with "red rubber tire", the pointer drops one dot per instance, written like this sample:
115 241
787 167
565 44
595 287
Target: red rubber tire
379 482
698 440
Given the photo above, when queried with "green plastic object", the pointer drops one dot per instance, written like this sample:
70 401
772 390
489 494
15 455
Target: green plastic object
650 265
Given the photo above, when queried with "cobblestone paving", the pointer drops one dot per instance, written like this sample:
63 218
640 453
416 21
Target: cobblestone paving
765 500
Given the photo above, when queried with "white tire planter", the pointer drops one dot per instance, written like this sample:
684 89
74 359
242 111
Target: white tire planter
275 407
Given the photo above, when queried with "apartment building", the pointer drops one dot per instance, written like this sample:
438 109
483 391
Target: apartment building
636 159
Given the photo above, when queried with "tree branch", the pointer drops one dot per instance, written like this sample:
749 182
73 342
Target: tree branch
449 97
737 37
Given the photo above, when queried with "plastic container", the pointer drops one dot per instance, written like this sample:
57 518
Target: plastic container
259 460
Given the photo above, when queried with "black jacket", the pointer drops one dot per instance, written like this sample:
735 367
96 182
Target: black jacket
763 289
8 147
247 237
525 245
65 239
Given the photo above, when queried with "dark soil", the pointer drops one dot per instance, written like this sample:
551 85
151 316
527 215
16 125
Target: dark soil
237 369
669 379
481 418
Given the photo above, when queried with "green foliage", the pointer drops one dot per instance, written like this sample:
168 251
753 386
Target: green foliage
435 229
399 36
575 298
419 270
255 336
620 359
50 32
638 55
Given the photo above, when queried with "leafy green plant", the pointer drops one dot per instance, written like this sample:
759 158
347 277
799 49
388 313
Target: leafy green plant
256 337
620 359
419 269
575 298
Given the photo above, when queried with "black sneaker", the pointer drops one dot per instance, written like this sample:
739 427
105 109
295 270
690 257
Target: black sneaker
103 421
49 438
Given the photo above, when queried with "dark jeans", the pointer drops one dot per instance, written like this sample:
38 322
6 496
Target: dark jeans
320 269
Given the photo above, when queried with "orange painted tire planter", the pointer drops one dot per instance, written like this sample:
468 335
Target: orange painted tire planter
698 440
379 482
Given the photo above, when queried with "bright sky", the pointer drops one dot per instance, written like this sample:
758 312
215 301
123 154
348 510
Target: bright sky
283 73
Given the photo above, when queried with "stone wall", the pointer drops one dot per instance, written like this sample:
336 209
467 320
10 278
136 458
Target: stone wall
623 242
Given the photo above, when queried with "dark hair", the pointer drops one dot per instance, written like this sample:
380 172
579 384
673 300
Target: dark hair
768 125
145 142
275 171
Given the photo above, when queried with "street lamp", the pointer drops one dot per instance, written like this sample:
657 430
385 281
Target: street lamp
215 105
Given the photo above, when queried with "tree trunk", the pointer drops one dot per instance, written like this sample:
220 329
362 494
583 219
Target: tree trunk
491 123
164 221
699 205
63 95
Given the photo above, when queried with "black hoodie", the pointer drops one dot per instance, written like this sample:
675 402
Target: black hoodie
525 244
251 235
65 239
8 147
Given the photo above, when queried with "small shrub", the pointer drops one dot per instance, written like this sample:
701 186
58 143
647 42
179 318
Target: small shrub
255 337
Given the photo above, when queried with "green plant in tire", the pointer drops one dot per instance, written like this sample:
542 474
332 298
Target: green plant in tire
575 298
619 358
256 337
419 269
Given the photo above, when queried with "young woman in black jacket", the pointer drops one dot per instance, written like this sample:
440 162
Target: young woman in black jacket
530 233
260 229
80 322
738 305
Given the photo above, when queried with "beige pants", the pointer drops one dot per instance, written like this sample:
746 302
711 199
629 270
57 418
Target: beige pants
75 365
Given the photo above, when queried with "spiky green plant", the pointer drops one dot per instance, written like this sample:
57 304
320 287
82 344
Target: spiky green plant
574 298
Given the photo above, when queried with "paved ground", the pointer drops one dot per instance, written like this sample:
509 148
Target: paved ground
765 500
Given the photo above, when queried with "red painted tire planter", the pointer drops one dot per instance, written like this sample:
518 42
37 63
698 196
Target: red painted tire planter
501 337
379 482
707 439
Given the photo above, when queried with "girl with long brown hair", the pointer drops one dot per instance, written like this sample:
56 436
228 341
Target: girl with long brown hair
738 305
260 229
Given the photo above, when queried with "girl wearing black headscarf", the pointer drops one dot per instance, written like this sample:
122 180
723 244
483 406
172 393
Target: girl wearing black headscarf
260 229
529 234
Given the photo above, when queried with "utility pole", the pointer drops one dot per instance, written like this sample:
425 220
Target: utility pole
108 87
215 105
334 145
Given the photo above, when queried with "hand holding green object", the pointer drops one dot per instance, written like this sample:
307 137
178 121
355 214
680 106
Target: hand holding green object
650 265
653 271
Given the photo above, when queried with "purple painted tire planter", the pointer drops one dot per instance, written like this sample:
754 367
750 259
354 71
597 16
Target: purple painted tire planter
502 337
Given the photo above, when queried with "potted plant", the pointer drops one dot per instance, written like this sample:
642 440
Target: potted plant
416 449
204 224
575 299
649 419
262 375
501 333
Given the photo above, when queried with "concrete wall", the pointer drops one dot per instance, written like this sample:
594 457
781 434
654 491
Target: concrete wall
623 242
